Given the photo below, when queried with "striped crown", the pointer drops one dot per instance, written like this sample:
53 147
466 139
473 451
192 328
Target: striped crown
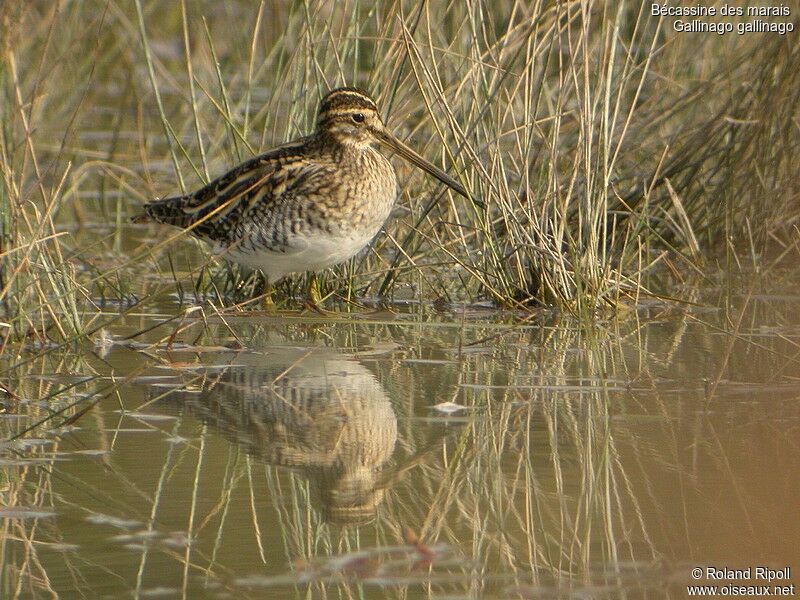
348 98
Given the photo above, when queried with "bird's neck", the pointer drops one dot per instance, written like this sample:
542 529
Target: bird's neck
340 145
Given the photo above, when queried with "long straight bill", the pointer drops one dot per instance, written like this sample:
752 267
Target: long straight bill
410 155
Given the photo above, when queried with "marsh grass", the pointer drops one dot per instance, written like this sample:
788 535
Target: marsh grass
604 145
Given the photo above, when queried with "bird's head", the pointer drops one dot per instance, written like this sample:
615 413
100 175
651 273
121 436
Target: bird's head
350 116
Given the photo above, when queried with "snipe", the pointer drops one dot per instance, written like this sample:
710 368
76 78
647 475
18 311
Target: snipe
307 205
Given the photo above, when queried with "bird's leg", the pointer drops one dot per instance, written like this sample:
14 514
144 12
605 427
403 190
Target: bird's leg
313 290
313 299
267 302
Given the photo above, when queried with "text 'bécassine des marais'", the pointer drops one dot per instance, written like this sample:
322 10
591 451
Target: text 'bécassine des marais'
702 18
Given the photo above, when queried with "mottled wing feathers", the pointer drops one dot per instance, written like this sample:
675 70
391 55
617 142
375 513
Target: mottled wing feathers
214 211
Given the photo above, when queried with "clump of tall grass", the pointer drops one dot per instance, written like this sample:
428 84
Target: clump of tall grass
599 141
38 284
602 143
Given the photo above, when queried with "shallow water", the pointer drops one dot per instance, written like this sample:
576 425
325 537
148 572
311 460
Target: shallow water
424 454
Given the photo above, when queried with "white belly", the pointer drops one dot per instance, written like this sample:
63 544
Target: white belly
314 253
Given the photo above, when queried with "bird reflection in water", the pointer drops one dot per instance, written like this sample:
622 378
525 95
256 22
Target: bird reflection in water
315 411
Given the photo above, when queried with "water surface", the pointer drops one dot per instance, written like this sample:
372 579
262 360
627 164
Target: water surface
416 454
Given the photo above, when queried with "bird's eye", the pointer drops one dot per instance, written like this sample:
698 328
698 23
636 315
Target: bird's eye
358 118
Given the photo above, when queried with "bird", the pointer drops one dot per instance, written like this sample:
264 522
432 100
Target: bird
306 205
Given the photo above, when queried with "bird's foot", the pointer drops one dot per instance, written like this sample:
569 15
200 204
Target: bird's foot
313 298
268 304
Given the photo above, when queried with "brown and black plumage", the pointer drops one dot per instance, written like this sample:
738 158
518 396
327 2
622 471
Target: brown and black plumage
306 205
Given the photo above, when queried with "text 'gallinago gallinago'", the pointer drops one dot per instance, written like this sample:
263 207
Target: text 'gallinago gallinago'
307 205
